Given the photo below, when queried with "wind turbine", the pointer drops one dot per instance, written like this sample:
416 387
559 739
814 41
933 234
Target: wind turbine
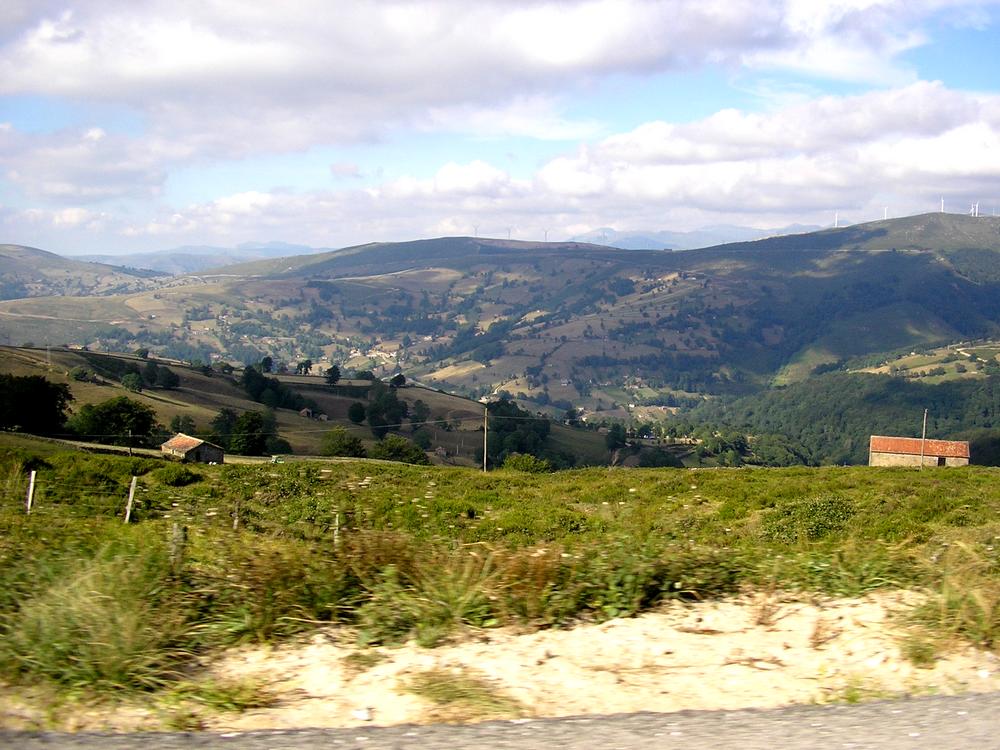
942 204
546 233
836 219
508 232
475 228
885 213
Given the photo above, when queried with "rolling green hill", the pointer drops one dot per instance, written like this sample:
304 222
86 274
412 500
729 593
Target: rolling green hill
563 324
30 272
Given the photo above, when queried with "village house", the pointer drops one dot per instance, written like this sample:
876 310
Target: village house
904 451
192 450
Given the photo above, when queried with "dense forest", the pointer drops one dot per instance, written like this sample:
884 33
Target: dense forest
832 416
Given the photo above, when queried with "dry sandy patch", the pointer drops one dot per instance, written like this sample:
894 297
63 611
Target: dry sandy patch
759 651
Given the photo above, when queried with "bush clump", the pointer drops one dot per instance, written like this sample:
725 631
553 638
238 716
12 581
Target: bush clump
176 475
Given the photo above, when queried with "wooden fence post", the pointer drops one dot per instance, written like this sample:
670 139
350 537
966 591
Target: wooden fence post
131 497
31 491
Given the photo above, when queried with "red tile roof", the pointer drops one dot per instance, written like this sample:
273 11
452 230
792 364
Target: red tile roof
911 446
181 442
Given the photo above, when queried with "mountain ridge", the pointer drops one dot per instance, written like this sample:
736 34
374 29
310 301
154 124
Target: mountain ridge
572 323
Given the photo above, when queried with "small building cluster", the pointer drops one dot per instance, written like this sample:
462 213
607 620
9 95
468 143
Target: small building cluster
904 451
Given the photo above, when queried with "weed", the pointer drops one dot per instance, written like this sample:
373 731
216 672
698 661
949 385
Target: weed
463 696
362 661
765 608
921 649
111 623
822 633
234 696
443 593
965 600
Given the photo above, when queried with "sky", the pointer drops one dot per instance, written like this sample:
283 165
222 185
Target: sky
142 125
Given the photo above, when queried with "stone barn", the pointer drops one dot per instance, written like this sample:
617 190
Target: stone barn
904 451
193 450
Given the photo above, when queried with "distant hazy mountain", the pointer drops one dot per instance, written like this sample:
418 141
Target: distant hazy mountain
195 258
719 234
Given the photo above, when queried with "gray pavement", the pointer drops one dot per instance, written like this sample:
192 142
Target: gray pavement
941 723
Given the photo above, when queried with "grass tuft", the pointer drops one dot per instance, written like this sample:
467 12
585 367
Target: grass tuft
461 696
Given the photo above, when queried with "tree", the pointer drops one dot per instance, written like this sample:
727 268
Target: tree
419 414
332 375
267 364
385 410
338 442
117 421
182 423
222 426
396 448
615 438
248 436
82 374
33 404
398 380
149 373
167 378
364 375
356 412
513 430
132 382
303 367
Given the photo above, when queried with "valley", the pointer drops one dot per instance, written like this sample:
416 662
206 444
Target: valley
601 334
565 324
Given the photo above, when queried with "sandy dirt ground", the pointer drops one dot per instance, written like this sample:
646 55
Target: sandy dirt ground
757 651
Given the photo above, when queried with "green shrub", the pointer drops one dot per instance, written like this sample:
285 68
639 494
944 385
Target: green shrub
176 475
527 463
809 519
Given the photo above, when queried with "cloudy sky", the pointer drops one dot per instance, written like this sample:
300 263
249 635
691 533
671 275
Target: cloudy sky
141 125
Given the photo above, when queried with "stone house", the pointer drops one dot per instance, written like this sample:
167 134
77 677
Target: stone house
192 450
904 451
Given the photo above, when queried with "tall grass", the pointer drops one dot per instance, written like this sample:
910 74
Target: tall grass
964 596
110 621
416 552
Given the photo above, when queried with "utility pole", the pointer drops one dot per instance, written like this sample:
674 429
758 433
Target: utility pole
486 432
923 440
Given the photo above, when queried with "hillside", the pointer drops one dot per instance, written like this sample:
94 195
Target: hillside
454 428
30 272
569 323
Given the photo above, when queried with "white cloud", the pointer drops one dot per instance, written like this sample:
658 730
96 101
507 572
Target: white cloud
220 79
230 78
87 166
903 147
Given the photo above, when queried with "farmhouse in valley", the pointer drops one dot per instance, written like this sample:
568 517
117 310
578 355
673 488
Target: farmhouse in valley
904 451
193 450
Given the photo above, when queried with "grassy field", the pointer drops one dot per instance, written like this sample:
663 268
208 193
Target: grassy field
958 362
222 555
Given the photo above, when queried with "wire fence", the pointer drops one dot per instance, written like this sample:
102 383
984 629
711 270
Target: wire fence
306 507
